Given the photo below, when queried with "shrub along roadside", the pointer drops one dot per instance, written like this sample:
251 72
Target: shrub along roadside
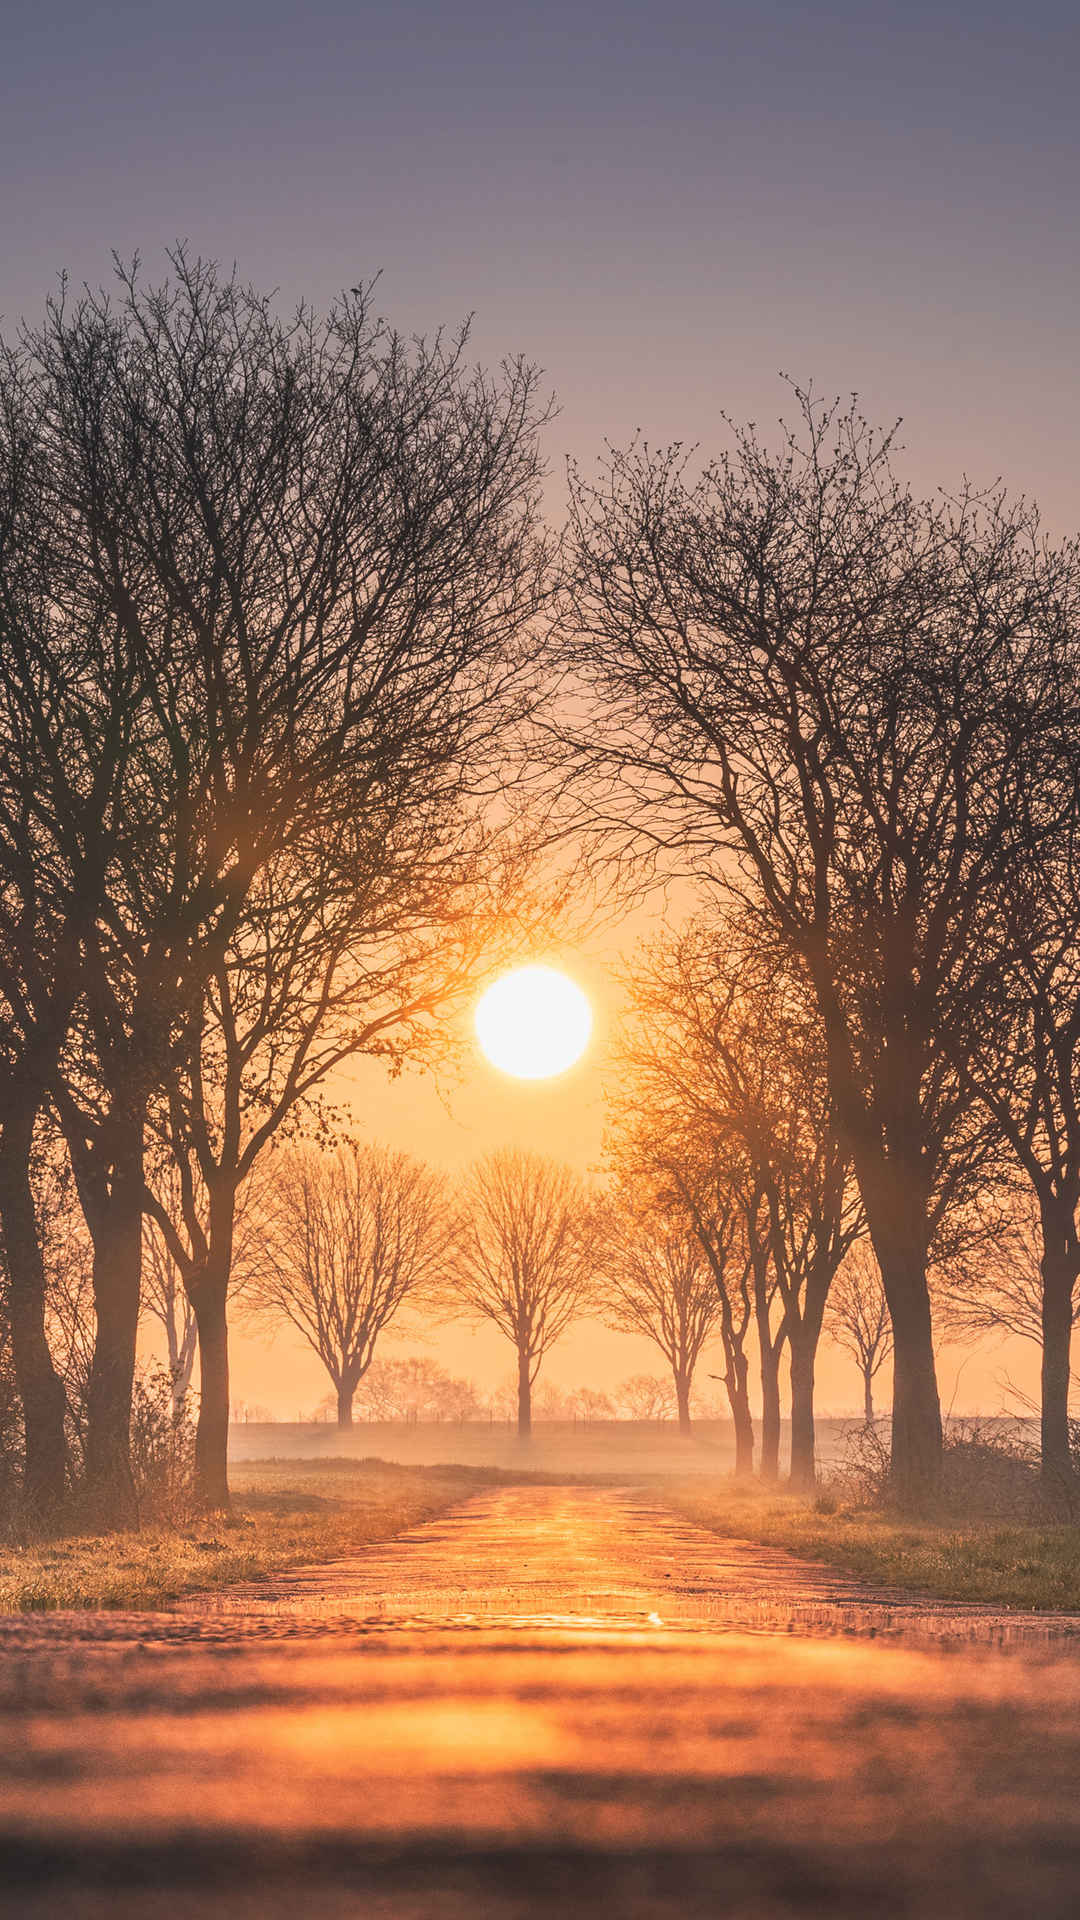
1032 1568
286 1514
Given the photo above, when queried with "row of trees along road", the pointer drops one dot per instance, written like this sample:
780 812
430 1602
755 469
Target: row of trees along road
262 586
349 1241
853 715
272 596
724 1110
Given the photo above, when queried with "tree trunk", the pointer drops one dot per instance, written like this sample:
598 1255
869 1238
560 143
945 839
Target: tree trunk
40 1390
917 1443
209 1293
117 1234
1058 1281
345 1405
769 1350
917 1446
212 1429
524 1419
736 1376
682 1402
739 1401
181 1341
895 1182
770 1411
803 1463
896 1216
184 1367
868 1396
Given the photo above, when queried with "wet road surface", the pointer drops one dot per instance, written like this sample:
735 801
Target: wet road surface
548 1701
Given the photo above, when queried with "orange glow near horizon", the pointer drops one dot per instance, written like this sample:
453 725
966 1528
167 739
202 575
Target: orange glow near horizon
533 1023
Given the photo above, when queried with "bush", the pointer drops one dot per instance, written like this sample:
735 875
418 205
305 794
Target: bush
162 1448
861 1476
11 1443
162 1458
991 1471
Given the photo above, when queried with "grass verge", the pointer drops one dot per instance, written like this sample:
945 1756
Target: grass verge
1031 1568
285 1515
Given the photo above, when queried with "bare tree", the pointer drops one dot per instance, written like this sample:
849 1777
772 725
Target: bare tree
654 1280
165 1299
454 1398
351 1237
524 1257
291 563
65 1254
727 1050
815 693
1026 1067
62 689
645 1397
589 1404
803 1168
711 1188
366 946
415 1388
857 1317
997 1286
552 1402
699 1188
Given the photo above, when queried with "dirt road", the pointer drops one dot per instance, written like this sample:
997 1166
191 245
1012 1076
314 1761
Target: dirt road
553 1701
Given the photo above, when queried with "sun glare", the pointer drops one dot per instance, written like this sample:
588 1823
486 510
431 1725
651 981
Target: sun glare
533 1023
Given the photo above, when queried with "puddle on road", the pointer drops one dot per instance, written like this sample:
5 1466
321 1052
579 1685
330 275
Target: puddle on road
583 1616
577 1563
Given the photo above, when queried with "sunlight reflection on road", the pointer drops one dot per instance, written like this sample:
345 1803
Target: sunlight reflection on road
544 1673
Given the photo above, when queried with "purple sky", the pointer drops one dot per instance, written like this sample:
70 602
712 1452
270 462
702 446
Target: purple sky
664 204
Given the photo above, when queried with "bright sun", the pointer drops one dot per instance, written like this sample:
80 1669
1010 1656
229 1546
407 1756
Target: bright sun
533 1023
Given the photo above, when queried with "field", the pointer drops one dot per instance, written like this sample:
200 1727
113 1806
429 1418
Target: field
1033 1568
628 1448
306 1494
999 1562
285 1515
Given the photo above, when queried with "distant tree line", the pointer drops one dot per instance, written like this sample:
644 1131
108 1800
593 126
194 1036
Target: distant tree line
415 1390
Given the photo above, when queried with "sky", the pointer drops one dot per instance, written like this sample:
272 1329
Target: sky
664 205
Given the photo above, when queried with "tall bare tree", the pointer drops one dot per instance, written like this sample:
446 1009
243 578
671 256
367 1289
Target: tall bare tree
364 947
857 1318
726 1050
293 562
351 1237
64 690
720 1208
816 694
653 1279
524 1256
802 1165
1026 1068
699 1188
